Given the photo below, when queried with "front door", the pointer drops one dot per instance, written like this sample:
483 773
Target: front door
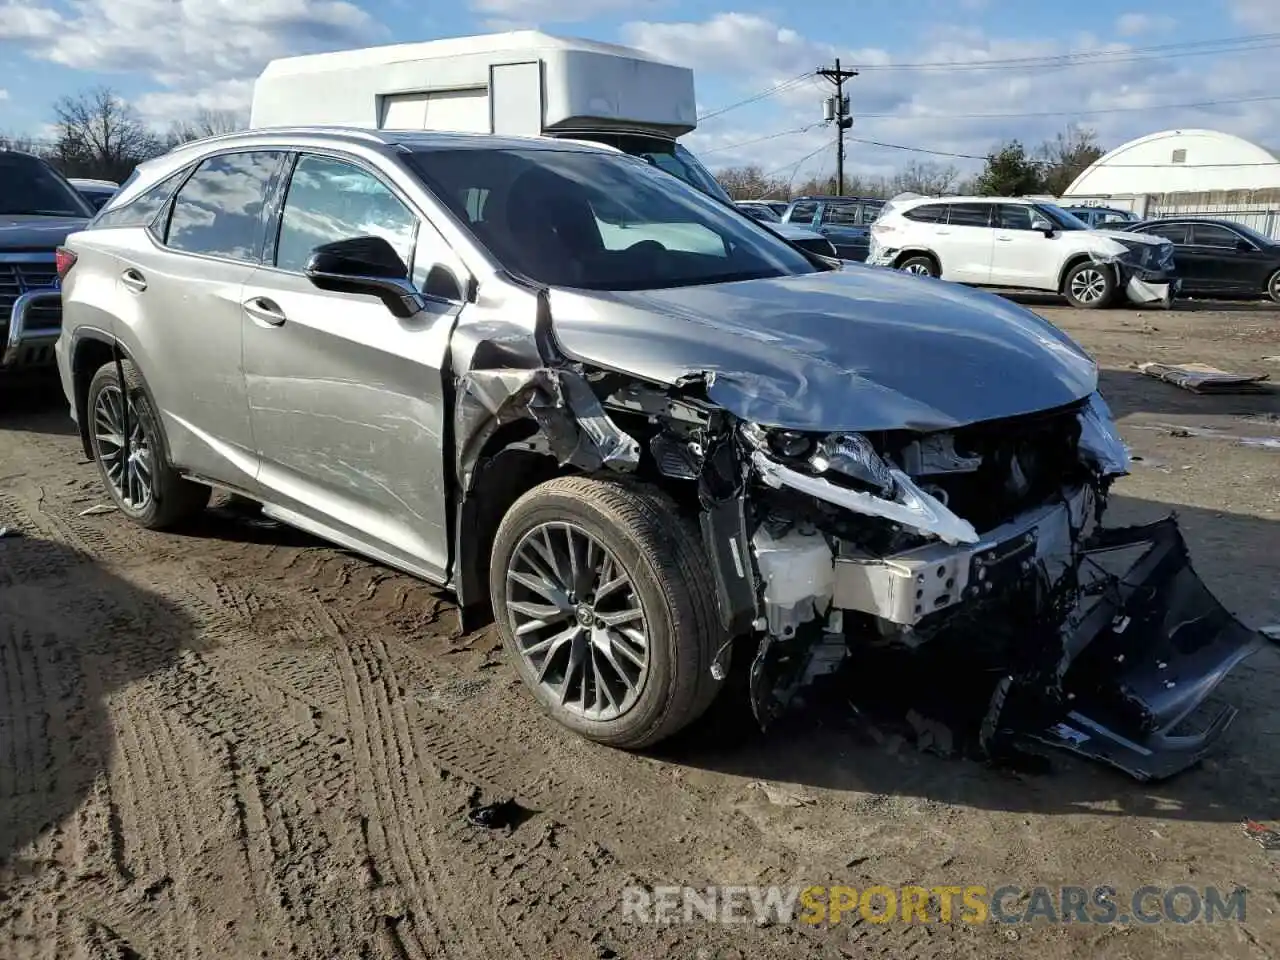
1235 264
347 401
1022 257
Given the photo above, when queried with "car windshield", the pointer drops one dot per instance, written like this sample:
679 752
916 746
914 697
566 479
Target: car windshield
28 186
597 221
1061 218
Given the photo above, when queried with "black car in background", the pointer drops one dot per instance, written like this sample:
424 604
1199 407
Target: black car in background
1219 257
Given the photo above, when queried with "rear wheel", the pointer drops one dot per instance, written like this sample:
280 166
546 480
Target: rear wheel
1089 285
920 266
604 599
141 483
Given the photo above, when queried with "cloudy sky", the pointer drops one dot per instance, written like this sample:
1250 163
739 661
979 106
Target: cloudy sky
951 76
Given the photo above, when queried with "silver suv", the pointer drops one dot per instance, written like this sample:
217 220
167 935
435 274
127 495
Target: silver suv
637 426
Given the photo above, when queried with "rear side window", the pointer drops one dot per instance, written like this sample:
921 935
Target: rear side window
142 209
218 212
927 213
970 214
332 200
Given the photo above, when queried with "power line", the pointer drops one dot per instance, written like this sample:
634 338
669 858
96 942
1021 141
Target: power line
1070 113
762 95
747 143
1159 51
796 163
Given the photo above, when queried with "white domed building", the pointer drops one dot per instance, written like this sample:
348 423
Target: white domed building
1177 172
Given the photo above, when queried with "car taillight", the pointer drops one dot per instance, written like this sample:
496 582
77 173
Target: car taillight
64 260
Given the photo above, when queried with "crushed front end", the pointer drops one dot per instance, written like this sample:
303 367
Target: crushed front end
983 543
1146 273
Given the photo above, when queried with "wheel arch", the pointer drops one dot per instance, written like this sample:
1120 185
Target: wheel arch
90 349
1075 260
906 253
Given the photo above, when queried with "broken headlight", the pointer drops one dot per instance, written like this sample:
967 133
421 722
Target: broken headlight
852 455
790 444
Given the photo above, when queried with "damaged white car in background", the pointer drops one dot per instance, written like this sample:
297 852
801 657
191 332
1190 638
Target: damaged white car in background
1020 244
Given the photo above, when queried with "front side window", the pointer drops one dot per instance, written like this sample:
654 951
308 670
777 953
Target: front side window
601 222
842 214
803 212
1211 235
218 212
970 214
331 200
1013 216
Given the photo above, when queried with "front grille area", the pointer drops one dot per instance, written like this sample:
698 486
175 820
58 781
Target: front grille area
19 277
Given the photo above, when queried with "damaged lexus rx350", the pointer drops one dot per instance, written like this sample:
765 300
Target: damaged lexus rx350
637 427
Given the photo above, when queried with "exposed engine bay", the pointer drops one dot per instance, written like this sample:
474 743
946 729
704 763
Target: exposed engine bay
985 540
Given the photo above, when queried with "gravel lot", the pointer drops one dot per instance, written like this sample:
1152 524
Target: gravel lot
239 742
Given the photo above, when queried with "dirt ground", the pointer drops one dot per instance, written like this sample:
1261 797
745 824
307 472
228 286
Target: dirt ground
237 741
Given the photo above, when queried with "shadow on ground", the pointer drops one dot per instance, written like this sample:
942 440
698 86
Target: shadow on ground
1131 392
827 744
34 404
71 634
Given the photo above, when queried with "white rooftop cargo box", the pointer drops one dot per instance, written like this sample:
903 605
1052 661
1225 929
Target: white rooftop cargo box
522 83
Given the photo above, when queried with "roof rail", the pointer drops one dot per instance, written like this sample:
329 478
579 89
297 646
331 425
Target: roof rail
362 133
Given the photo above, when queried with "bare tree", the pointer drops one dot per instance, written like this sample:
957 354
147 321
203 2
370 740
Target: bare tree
99 135
1067 156
751 183
925 178
21 144
206 123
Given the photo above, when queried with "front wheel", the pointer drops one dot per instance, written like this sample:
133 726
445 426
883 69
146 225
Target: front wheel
1273 287
920 266
606 605
1089 285
137 474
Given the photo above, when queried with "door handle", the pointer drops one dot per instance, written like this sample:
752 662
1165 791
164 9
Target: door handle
944 233
265 311
134 280
1004 239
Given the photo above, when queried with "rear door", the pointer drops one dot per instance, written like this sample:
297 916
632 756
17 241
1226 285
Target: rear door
181 294
347 401
967 242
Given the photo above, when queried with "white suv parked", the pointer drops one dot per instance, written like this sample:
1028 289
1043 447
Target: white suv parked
1021 244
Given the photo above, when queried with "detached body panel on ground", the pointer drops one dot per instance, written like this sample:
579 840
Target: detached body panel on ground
638 427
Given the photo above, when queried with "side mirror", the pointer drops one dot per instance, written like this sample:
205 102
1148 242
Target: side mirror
1043 225
366 265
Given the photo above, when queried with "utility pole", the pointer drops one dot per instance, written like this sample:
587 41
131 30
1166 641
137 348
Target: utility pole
837 108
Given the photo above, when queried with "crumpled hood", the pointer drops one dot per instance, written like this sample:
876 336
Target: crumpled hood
1125 236
22 232
858 349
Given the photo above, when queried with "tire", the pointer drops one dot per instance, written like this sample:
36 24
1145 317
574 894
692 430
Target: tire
1273 287
669 580
1089 286
171 499
920 266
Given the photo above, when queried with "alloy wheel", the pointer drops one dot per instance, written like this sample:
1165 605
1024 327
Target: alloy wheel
917 269
577 621
130 478
1088 286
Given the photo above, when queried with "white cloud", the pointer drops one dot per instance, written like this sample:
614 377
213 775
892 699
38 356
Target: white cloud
740 54
1254 13
513 13
186 46
1143 24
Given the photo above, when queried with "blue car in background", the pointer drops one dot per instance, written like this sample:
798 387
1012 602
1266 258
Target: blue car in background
1100 217
845 221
